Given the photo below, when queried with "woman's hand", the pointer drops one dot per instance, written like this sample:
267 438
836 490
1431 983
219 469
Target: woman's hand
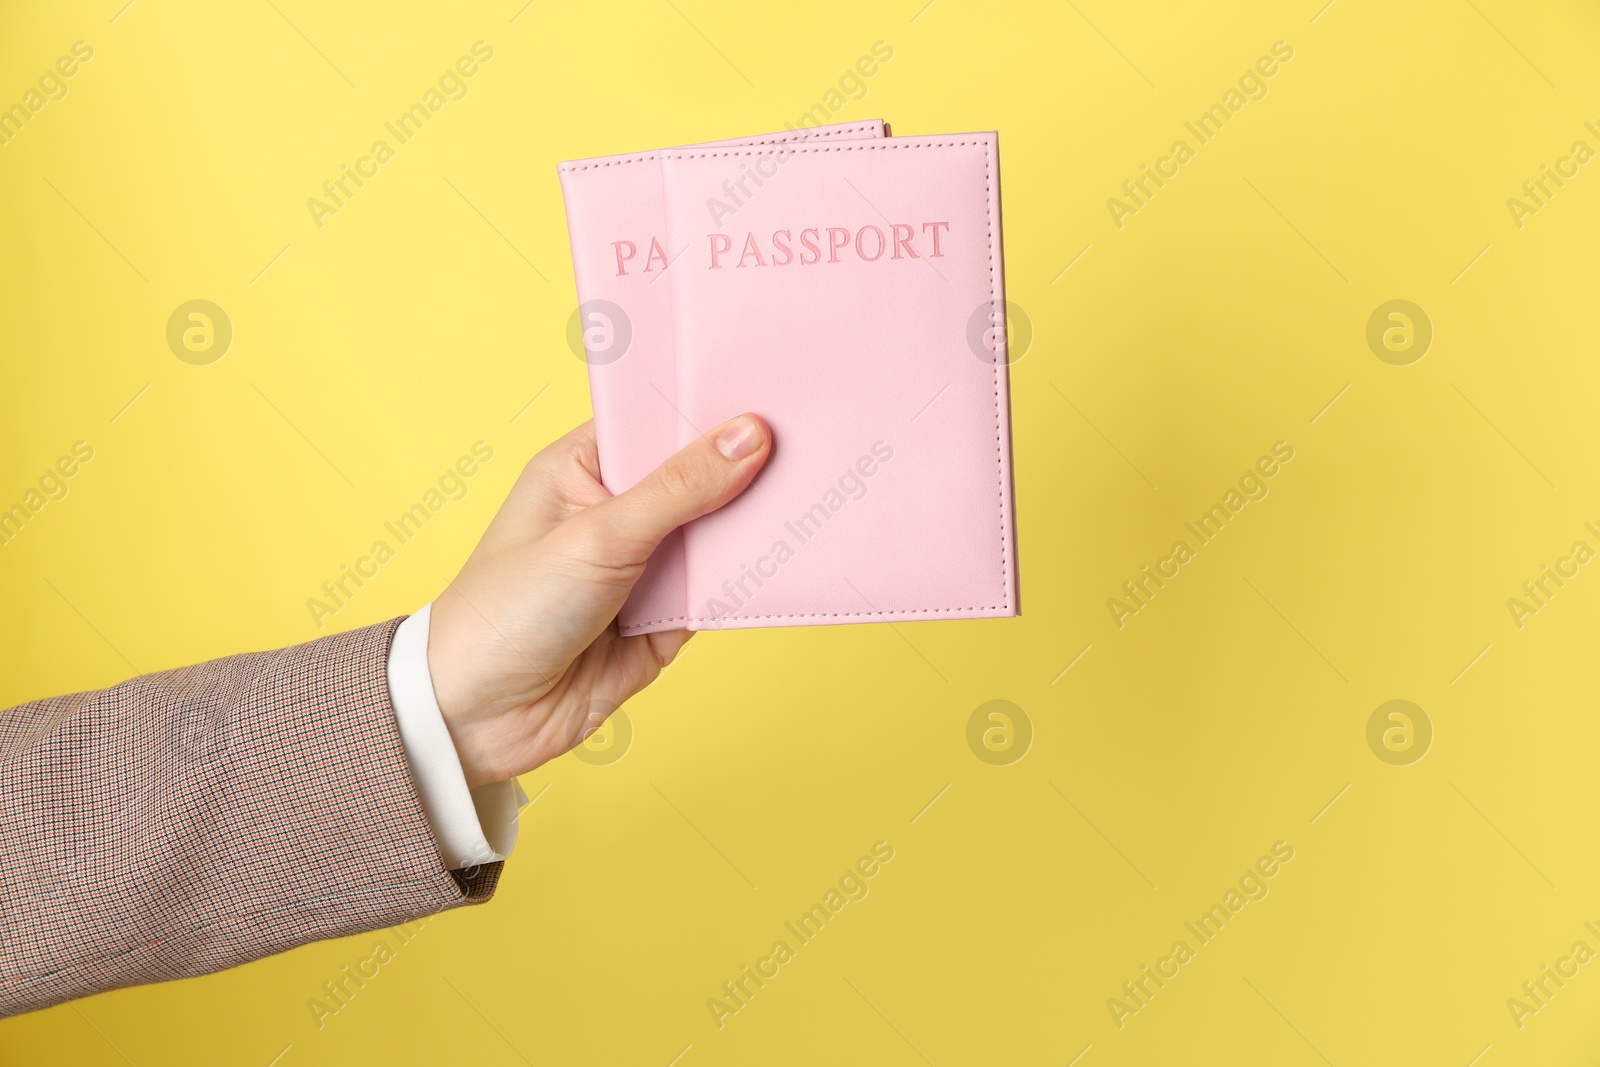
526 638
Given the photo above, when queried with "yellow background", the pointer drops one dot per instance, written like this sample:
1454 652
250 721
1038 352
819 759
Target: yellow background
1223 317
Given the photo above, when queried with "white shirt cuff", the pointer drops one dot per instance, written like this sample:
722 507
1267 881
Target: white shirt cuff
472 826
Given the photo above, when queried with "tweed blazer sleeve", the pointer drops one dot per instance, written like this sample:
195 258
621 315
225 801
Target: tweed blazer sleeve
192 820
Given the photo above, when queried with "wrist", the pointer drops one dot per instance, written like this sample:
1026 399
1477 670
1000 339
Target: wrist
455 703
473 714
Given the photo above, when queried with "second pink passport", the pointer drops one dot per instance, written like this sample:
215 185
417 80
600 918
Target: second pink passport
849 288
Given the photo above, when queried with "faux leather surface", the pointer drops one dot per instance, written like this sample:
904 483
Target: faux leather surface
851 299
620 199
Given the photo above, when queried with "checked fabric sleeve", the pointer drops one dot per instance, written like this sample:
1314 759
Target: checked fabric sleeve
191 820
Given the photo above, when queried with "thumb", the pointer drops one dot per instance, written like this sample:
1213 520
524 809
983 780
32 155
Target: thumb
699 479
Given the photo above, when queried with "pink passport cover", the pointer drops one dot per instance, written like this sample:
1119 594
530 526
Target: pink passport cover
633 383
851 299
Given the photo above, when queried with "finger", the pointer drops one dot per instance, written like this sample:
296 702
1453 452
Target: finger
584 451
666 644
638 661
546 488
699 479
575 448
615 669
